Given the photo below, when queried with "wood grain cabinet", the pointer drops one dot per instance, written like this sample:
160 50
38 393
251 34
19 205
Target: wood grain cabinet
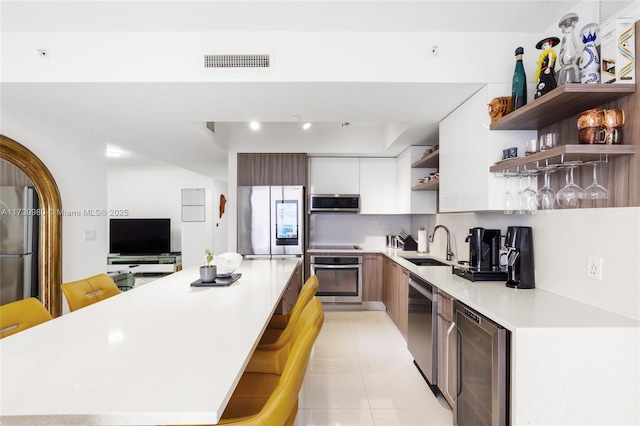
395 293
272 169
388 280
372 277
445 319
402 299
290 295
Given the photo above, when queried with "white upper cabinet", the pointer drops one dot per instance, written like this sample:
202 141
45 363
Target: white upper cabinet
468 148
334 175
378 186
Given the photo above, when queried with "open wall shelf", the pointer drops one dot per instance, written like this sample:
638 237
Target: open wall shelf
562 102
565 153
429 161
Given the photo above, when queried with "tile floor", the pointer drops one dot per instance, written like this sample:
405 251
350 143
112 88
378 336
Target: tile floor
360 373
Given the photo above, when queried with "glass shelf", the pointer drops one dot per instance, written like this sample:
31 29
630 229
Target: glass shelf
562 154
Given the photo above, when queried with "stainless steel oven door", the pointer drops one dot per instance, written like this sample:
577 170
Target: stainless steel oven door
339 278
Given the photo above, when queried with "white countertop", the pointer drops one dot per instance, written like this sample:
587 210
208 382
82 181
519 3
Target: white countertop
163 353
511 308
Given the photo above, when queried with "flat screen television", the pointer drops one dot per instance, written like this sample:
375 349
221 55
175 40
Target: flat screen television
139 236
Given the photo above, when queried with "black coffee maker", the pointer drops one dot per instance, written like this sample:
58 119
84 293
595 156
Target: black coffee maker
520 269
484 249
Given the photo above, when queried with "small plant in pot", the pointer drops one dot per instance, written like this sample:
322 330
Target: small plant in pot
208 272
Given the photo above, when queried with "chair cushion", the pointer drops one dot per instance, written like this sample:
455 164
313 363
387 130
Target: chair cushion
270 335
252 392
22 314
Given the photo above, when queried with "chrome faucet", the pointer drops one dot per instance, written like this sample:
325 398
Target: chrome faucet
449 252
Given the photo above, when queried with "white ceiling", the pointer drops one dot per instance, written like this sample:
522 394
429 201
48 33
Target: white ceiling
165 122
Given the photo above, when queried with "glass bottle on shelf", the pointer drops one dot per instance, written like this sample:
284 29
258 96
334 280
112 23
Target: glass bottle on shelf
519 84
569 72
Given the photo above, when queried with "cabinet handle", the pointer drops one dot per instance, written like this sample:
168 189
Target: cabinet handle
446 365
459 361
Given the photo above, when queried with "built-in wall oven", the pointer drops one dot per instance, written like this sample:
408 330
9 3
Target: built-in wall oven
422 326
481 371
339 278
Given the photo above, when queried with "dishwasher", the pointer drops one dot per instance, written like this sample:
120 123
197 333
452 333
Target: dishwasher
422 340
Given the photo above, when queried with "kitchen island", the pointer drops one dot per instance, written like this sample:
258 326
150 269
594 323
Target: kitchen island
163 353
571 363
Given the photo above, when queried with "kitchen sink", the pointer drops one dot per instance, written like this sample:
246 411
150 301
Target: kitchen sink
425 261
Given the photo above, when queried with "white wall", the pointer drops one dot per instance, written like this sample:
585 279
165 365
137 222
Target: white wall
299 56
78 165
156 191
562 241
347 228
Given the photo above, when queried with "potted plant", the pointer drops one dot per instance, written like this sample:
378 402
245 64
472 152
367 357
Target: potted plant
208 272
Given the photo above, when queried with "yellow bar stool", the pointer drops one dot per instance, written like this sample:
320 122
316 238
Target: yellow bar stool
20 315
88 291
279 329
271 397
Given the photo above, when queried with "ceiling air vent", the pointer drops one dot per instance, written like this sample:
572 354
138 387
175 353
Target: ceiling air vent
237 61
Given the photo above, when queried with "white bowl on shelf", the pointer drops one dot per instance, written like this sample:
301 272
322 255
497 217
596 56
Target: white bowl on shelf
226 263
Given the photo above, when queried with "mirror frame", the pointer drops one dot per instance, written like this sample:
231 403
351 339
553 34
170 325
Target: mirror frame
50 249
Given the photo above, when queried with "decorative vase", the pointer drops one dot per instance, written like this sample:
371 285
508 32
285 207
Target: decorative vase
208 274
545 78
590 60
569 72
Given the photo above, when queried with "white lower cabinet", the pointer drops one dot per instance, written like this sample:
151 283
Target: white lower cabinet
468 148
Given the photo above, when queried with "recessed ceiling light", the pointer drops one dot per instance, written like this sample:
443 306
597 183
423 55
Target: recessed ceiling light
254 125
306 125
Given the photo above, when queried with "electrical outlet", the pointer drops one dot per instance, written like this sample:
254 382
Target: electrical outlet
594 267
89 235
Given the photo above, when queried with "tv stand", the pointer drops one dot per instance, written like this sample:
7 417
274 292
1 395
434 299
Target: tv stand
138 264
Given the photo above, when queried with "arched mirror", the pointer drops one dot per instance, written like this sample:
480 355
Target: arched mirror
47 223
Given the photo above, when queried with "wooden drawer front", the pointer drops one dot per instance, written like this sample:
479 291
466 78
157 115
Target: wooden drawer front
445 305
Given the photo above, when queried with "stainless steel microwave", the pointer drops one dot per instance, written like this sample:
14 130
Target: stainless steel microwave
334 203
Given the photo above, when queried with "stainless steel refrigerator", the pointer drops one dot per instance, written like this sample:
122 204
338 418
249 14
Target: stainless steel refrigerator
271 221
18 237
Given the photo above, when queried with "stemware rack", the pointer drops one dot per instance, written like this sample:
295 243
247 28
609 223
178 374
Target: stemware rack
563 154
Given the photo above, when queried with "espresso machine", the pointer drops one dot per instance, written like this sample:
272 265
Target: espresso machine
484 256
484 249
520 269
